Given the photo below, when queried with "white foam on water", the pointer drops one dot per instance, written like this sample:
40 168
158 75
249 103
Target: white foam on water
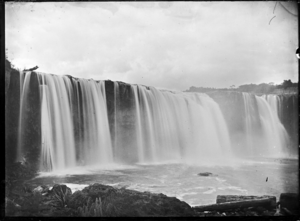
75 187
160 163
88 170
192 203
118 185
199 187
233 188
182 195
220 180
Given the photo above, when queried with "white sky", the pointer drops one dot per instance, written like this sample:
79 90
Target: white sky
162 44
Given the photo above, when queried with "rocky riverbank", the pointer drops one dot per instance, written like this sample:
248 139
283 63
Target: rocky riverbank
106 201
94 200
30 200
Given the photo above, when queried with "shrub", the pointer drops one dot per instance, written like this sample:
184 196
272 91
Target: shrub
60 197
77 199
30 206
92 209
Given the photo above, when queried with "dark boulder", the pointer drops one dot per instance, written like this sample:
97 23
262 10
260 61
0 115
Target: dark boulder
289 203
206 174
124 202
235 198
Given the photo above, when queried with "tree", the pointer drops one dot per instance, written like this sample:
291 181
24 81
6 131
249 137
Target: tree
287 83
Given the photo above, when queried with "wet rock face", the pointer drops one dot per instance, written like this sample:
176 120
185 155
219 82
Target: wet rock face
12 106
31 125
131 203
121 117
32 134
110 103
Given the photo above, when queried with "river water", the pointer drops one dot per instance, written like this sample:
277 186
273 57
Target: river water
239 177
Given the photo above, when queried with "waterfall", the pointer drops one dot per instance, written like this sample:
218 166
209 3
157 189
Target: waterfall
24 89
274 131
83 123
47 146
178 126
249 116
58 149
265 134
96 145
58 145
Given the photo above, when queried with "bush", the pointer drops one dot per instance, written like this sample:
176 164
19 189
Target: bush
98 208
29 206
92 209
77 199
61 195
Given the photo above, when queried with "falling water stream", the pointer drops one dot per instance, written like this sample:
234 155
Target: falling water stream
265 134
168 126
24 88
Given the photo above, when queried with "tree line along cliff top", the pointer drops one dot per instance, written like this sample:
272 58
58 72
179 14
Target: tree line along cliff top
286 87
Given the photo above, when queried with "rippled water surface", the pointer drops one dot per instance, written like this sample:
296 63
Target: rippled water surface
246 177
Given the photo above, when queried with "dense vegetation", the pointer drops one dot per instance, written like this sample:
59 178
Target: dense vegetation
287 86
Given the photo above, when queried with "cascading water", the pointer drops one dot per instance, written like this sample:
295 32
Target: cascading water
251 127
24 89
274 131
58 146
57 122
274 102
178 126
265 134
96 145
143 124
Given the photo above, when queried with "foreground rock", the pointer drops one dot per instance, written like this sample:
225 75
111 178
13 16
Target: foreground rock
44 190
267 202
102 200
289 203
123 202
94 200
238 205
235 198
